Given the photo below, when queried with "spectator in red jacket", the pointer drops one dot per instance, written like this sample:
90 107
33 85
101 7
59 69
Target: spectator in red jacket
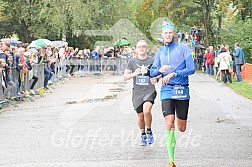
209 62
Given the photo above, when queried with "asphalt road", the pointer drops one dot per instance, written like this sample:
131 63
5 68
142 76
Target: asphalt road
91 122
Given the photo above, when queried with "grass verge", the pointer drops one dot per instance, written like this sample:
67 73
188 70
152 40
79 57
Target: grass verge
243 88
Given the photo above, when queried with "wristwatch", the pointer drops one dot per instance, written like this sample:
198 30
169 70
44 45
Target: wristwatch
175 74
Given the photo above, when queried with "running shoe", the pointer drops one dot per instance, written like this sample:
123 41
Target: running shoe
143 140
50 82
20 94
47 90
150 138
32 92
171 164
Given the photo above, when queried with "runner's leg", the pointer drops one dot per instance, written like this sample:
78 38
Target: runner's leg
141 123
148 120
147 114
168 109
170 136
182 107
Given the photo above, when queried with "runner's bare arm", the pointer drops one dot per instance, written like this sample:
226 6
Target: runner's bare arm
128 74
166 78
155 80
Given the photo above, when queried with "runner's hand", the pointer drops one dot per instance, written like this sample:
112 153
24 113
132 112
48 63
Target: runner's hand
137 71
164 68
166 79
153 80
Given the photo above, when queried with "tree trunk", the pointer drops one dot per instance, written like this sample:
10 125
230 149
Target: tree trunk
219 28
243 15
209 34
24 33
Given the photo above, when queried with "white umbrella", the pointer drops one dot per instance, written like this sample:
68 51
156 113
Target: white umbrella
59 44
41 43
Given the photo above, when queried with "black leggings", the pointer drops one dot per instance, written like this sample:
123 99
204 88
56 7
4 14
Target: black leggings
67 68
72 68
226 76
35 80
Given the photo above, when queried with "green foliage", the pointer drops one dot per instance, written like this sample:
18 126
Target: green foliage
238 31
243 7
53 19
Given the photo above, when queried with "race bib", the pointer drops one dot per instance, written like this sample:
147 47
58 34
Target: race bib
142 80
180 92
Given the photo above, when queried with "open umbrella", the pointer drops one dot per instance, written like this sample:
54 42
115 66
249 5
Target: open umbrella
13 42
41 43
59 44
199 46
122 42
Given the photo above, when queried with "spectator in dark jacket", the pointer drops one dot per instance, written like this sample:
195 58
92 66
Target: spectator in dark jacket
42 58
31 75
7 84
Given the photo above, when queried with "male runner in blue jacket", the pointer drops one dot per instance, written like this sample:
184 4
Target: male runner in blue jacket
175 63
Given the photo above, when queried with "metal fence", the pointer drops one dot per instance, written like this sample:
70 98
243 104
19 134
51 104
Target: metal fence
79 66
22 82
102 66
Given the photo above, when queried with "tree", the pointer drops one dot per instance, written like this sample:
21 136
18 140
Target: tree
244 8
54 19
238 31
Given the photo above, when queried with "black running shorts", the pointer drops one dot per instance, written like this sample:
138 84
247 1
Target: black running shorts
169 106
139 99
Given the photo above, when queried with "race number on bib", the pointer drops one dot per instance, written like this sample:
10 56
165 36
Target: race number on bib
180 92
142 80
